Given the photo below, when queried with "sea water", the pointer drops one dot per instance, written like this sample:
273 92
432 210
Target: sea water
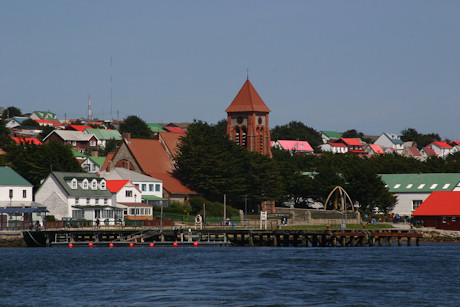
427 275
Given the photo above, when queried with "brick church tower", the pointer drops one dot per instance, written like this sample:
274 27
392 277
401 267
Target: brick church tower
247 120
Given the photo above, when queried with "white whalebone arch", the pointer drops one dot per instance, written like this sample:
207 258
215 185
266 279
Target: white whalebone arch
342 195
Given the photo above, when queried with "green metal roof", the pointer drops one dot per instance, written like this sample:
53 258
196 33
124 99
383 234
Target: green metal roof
105 134
421 183
77 154
152 197
97 160
9 177
156 127
332 134
64 179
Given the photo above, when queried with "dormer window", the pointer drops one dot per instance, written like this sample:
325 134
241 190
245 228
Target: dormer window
102 185
85 184
73 184
94 184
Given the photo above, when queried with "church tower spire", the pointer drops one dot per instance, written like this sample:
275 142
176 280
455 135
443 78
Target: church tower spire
248 120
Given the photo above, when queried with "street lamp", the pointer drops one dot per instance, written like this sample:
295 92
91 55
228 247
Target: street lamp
135 210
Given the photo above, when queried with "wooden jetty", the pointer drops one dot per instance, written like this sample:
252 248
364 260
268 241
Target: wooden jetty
221 237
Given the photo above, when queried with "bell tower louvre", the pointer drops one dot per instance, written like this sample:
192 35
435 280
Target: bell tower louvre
247 120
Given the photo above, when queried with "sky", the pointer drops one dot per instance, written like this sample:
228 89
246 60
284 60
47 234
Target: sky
373 66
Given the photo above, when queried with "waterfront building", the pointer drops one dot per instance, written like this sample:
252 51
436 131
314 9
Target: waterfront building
248 120
412 189
80 196
440 210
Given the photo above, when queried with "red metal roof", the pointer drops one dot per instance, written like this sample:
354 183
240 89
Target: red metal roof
175 129
351 141
80 128
415 152
441 144
430 152
171 141
295 145
115 185
247 100
440 203
27 140
155 162
376 148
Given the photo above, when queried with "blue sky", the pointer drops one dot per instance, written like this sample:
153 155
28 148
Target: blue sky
373 66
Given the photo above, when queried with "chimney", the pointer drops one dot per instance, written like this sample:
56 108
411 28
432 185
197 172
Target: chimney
109 166
127 136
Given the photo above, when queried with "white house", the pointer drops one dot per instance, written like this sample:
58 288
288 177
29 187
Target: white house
390 140
441 149
412 189
151 188
81 196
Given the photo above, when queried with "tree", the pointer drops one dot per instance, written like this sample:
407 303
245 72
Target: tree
422 140
296 130
11 112
352 133
35 162
209 163
136 127
45 131
30 123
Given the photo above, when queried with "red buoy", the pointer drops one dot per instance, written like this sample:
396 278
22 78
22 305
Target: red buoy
131 244
151 245
70 245
90 244
195 243
175 244
111 245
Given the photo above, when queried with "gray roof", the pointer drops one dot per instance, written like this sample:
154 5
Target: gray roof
70 135
120 173
64 178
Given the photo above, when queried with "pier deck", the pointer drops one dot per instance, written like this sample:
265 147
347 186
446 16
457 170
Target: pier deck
224 237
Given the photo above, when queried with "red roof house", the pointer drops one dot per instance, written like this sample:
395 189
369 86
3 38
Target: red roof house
440 210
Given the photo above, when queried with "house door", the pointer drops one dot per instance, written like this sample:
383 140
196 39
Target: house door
97 214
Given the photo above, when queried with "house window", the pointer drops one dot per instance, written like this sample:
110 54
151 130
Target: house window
94 184
73 184
74 143
434 185
77 214
92 143
444 219
87 200
454 219
157 188
416 204
11 193
151 187
397 186
24 193
96 200
445 186
102 185
421 186
144 187
409 186
85 184
105 201
77 200
107 214
128 193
